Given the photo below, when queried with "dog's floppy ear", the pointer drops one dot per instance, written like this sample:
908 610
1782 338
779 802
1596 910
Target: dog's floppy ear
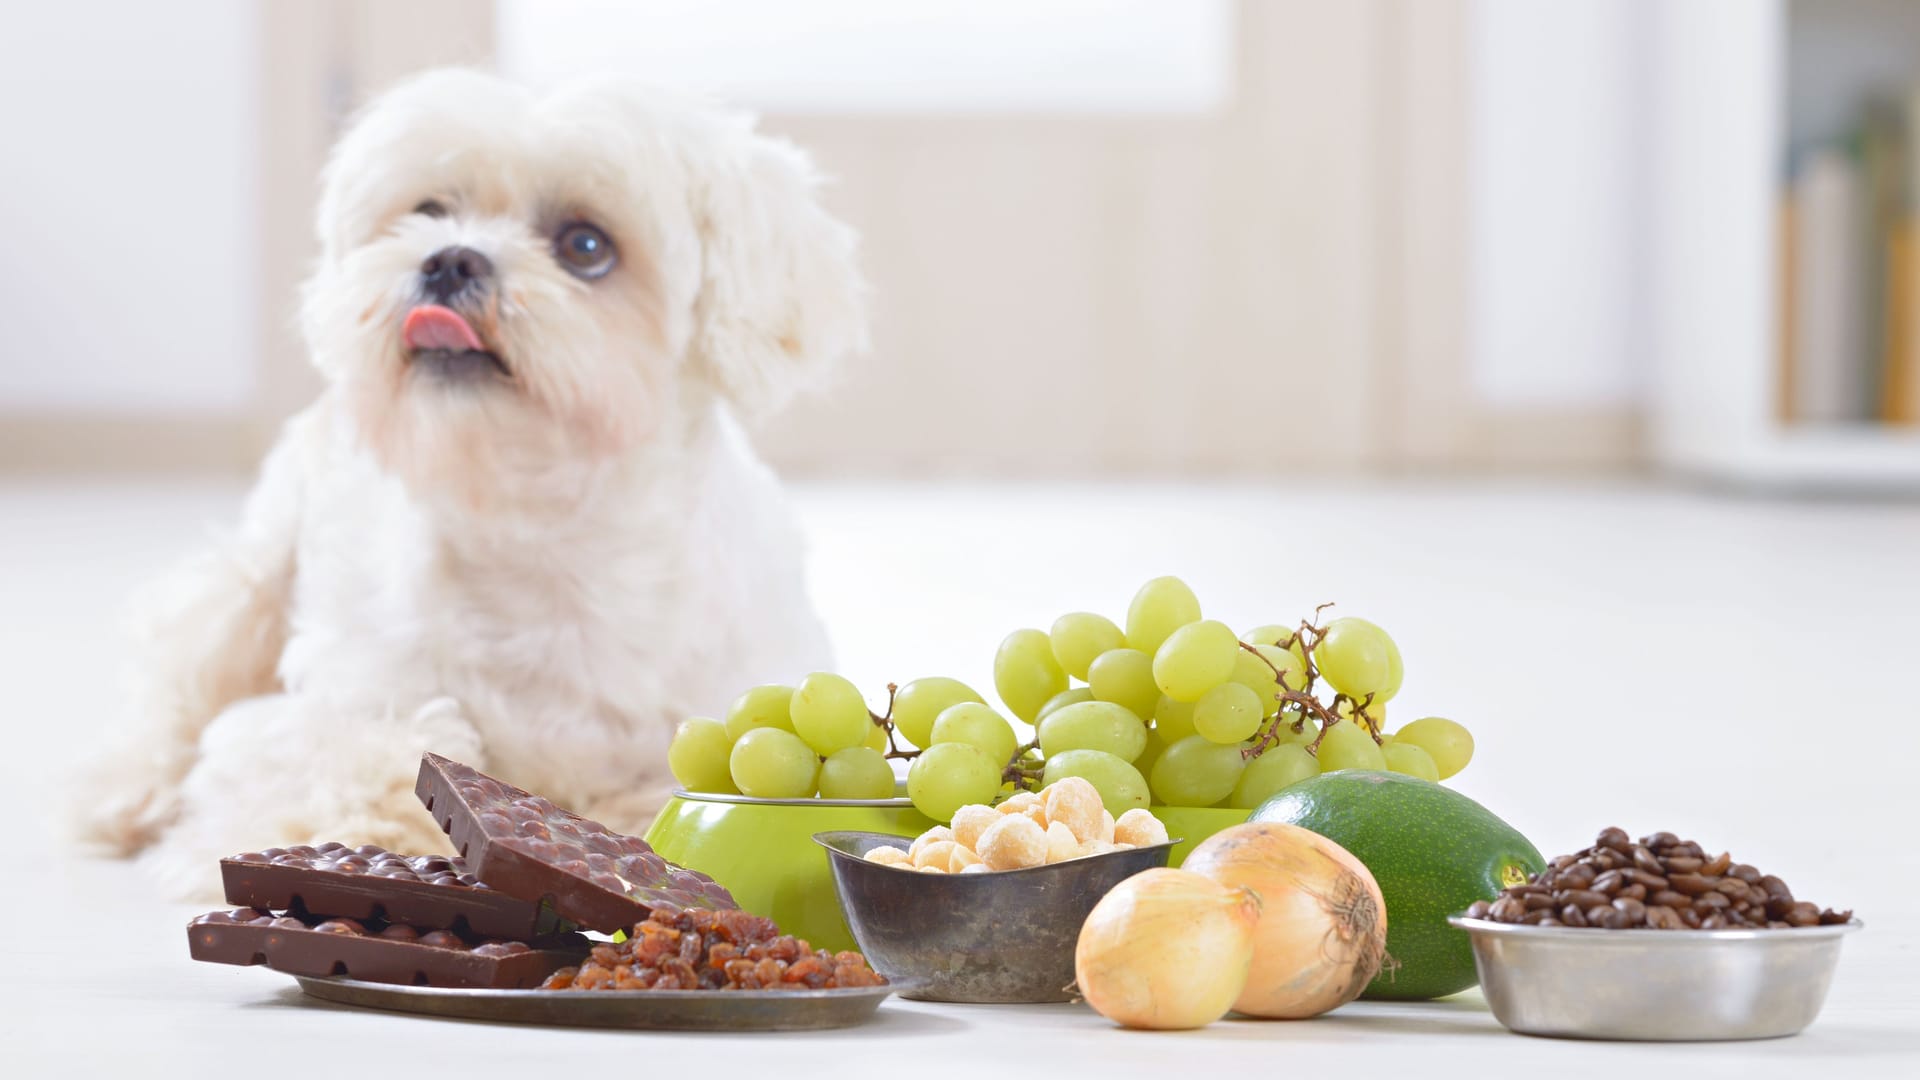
780 298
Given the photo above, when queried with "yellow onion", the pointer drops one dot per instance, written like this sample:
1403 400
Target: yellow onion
1322 933
1166 949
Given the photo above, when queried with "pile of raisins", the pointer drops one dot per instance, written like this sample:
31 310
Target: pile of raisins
1660 883
697 949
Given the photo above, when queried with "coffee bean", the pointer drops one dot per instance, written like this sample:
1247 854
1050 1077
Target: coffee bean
1537 901
1634 910
1660 840
1732 887
1644 860
1712 901
1803 914
1584 898
1776 889
1635 891
1609 882
1478 909
1683 864
1614 838
1745 873
1573 916
1691 884
1577 877
1663 918
1717 865
1715 921
1507 909
1669 898
1651 881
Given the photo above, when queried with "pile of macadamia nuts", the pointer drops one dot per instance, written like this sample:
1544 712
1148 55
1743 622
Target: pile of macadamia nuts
1065 821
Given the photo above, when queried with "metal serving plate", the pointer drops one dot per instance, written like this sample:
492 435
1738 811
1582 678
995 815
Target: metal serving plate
1667 985
648 1010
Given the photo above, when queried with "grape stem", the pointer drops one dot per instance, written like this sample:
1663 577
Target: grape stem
885 723
1023 777
1308 638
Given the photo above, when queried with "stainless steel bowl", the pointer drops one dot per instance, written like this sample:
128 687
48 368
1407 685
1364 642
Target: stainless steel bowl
1005 937
1657 985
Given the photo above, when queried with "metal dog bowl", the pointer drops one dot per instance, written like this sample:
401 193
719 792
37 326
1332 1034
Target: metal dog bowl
1006 937
1664 985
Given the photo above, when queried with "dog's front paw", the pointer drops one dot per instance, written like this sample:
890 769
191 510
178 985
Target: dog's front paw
121 803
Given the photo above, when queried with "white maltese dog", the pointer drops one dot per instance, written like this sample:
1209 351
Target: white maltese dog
519 527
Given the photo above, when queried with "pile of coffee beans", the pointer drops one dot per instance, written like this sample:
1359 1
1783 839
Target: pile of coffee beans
1660 883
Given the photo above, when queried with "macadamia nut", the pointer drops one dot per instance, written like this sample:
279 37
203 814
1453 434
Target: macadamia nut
1013 843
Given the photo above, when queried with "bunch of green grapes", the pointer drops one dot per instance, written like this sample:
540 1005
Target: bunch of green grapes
1172 709
819 738
1178 710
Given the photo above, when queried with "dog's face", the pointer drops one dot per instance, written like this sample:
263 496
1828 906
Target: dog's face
514 286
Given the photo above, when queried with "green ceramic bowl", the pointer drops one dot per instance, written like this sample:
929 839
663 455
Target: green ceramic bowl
1194 824
762 850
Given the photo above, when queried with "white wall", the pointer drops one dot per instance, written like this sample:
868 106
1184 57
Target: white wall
883 56
127 206
1557 213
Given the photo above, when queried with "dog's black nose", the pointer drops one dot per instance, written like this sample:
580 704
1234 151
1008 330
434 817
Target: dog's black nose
449 272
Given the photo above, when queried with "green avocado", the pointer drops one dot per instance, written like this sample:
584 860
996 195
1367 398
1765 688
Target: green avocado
1433 852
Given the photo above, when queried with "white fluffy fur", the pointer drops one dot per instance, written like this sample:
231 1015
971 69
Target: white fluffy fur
538 576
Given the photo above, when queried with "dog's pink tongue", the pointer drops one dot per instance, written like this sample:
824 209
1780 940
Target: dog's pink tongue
431 326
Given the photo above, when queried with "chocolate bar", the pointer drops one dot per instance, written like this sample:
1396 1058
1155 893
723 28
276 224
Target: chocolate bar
375 951
368 882
525 846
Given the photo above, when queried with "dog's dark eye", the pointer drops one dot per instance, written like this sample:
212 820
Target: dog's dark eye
584 250
431 208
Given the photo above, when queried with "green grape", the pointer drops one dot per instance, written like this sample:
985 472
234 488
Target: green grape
1228 713
876 739
1276 767
1196 772
1256 670
917 704
1073 695
762 706
856 773
1080 637
1411 760
1354 656
1162 606
976 725
1125 677
1194 659
1094 725
1447 743
1025 674
1173 719
1347 747
948 776
1395 673
1304 737
829 713
768 763
1120 785
1150 753
1284 637
697 756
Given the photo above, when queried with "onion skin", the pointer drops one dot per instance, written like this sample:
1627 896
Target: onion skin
1322 934
1166 950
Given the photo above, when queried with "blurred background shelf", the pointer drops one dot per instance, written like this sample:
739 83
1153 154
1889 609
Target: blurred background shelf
1749 94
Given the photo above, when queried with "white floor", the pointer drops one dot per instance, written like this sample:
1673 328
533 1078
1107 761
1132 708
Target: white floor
1743 672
